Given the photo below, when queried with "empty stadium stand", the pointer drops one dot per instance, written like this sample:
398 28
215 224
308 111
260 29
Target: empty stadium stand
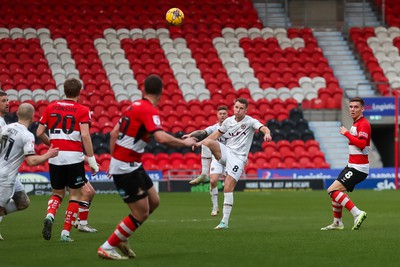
215 57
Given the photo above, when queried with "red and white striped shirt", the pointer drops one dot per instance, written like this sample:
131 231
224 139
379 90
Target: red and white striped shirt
137 124
63 119
358 157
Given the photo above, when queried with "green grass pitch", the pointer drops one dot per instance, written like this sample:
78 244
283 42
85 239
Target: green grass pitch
273 228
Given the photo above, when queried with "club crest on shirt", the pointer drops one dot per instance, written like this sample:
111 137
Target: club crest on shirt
156 120
243 126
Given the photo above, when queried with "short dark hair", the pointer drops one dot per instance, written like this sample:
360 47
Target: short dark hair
358 99
153 85
2 93
222 108
242 101
72 87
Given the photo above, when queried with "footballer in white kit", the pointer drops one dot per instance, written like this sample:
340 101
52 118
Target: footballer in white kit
239 129
16 143
240 136
18 187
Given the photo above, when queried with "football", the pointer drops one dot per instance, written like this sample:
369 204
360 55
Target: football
174 16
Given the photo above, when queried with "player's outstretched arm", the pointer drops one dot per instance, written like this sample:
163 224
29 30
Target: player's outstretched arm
167 139
34 160
198 134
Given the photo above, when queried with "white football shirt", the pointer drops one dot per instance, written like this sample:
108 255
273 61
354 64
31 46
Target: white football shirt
16 143
2 123
240 134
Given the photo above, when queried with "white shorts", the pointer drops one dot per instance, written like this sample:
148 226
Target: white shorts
216 167
7 192
234 164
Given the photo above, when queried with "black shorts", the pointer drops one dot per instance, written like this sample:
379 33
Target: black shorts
72 175
133 186
350 177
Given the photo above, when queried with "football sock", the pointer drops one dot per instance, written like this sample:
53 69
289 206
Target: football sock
123 231
205 160
214 197
83 212
71 214
205 166
53 205
345 201
11 207
355 211
228 203
337 213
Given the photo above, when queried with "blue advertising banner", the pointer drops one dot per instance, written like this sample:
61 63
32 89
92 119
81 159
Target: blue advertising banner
379 106
40 177
381 173
370 183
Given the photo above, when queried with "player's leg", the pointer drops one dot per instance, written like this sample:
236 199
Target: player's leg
215 148
214 193
140 202
75 179
19 198
336 207
58 183
81 224
6 191
346 181
205 166
234 169
71 214
349 178
215 172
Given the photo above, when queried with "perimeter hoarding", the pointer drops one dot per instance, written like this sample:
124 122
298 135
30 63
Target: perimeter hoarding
305 179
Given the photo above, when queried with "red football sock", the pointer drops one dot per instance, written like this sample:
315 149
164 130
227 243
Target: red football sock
83 210
52 205
71 214
337 210
342 199
124 230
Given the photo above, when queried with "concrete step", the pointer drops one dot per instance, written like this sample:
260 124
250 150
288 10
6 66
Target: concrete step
358 72
337 52
327 33
334 41
337 67
347 64
339 58
348 77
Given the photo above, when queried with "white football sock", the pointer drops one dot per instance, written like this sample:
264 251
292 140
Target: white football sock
107 245
214 197
228 203
65 232
338 221
11 207
355 211
205 160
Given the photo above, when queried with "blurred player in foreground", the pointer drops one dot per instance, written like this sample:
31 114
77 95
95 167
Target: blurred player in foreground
240 130
207 159
17 144
68 125
356 170
128 140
